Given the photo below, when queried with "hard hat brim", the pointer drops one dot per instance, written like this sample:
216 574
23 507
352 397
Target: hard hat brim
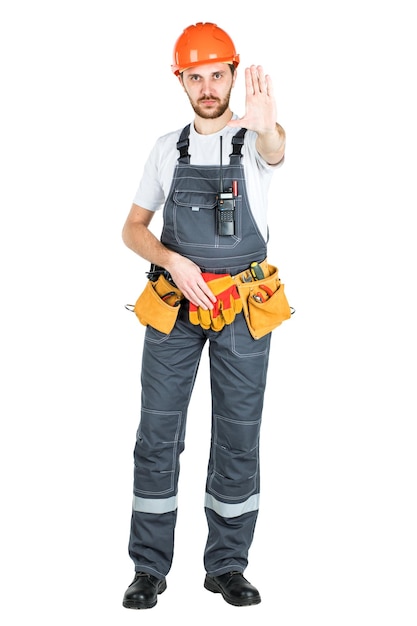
178 69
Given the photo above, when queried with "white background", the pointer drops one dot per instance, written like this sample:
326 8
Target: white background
86 89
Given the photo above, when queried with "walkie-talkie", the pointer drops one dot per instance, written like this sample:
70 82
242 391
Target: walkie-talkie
225 205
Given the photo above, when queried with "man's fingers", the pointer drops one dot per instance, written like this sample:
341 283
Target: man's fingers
269 86
261 78
256 81
204 295
200 294
249 82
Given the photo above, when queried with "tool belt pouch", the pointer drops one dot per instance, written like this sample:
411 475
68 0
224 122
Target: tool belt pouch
265 304
158 305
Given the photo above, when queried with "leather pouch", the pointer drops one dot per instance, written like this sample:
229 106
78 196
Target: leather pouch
265 305
158 305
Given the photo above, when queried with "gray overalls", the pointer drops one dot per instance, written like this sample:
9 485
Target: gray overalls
238 369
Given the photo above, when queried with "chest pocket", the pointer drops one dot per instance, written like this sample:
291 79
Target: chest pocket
195 220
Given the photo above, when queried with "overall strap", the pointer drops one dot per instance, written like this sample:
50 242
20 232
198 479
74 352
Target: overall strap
237 143
182 145
184 142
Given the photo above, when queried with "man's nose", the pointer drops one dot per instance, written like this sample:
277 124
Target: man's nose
205 86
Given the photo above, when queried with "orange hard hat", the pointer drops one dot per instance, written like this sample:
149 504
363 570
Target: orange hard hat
203 43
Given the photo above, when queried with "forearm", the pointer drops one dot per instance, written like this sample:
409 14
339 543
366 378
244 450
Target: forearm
143 242
271 145
186 274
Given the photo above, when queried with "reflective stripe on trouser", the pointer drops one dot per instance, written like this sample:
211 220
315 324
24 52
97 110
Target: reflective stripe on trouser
238 368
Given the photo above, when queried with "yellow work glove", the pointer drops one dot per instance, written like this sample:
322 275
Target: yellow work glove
228 303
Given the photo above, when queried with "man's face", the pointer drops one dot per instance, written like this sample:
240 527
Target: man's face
208 88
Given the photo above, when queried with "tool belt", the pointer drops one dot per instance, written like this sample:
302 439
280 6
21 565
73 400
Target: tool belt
158 304
264 302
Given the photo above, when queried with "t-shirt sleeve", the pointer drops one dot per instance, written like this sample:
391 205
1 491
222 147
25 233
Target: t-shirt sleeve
150 194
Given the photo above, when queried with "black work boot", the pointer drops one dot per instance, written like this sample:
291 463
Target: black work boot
234 588
143 591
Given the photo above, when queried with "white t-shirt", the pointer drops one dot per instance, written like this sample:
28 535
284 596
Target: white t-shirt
158 172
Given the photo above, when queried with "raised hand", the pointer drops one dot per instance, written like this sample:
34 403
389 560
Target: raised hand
261 112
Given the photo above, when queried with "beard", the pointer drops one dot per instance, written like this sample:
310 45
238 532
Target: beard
212 113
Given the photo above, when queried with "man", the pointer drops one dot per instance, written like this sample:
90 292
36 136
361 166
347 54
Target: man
192 174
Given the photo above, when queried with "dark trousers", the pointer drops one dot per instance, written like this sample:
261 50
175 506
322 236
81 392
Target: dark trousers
238 370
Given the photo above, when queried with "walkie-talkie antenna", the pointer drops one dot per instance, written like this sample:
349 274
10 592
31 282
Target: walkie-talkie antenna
221 164
225 203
